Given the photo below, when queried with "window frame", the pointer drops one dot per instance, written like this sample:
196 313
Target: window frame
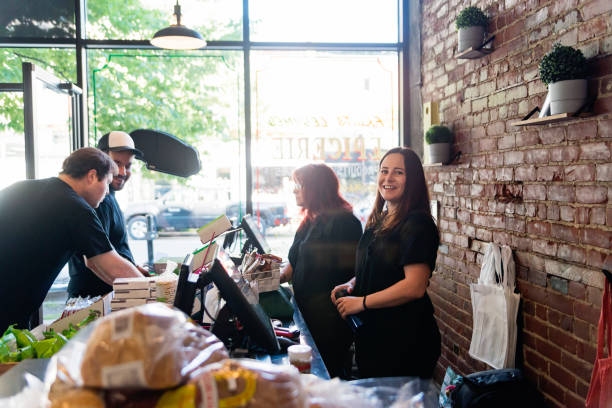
81 43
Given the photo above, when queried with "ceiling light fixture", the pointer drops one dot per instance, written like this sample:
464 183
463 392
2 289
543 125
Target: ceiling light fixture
177 36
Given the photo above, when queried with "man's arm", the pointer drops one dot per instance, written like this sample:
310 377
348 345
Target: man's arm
110 266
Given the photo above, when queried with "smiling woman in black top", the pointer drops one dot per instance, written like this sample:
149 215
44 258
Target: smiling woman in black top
322 256
395 259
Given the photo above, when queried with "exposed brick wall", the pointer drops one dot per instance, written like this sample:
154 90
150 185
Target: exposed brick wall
545 191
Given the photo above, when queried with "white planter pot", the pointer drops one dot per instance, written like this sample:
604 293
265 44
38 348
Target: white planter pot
470 37
439 152
567 96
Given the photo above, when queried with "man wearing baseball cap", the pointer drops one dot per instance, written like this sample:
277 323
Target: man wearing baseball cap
84 282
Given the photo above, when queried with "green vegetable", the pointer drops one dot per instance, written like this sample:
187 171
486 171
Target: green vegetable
471 17
4 352
93 315
40 347
27 352
10 340
561 64
23 337
13 357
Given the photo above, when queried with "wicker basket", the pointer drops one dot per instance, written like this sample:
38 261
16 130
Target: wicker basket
267 281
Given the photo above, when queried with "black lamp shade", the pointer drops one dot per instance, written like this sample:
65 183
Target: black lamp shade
178 37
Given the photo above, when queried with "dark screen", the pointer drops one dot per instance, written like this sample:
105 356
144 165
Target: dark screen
249 224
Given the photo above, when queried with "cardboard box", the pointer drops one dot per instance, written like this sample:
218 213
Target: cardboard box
102 306
217 226
134 294
123 284
118 304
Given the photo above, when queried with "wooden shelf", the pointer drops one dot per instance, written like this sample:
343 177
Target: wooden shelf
560 117
472 53
484 49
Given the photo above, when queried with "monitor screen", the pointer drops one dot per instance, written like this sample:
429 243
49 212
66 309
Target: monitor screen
236 292
249 225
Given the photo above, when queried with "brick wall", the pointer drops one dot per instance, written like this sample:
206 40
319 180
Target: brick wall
545 191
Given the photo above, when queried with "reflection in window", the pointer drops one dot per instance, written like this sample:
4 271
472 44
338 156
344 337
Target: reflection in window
196 96
337 108
324 20
59 62
140 19
37 18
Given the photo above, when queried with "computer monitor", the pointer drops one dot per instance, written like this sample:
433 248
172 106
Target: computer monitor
254 236
237 294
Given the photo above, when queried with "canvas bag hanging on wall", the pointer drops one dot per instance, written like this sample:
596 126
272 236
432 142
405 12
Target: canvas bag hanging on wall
494 309
600 390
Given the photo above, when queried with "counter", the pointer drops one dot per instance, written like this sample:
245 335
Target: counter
13 380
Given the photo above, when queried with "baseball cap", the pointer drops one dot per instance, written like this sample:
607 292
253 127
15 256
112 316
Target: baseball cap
118 141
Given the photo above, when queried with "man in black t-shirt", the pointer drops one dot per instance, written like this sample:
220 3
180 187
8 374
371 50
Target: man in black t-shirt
44 222
84 282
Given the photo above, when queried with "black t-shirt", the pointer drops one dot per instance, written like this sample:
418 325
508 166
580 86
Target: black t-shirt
323 256
400 340
42 224
83 281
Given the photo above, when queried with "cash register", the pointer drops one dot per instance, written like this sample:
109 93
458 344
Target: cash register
241 324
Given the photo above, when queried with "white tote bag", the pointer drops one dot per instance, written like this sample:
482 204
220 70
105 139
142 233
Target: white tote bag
494 308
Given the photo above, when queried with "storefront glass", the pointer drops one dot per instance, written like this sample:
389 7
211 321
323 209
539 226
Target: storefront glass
195 96
350 21
140 19
338 108
37 19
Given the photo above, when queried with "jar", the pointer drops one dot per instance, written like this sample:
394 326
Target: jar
300 356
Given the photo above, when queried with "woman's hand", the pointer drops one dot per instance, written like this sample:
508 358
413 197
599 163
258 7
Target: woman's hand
349 305
348 287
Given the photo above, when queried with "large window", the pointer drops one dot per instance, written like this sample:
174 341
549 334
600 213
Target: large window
339 108
295 83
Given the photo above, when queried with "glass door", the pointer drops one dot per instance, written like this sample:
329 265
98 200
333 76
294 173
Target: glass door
51 127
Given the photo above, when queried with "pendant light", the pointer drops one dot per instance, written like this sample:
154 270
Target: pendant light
177 36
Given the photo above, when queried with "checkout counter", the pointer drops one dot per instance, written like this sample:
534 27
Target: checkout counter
255 337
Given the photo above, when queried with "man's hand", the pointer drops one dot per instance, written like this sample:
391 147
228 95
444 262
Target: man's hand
110 266
145 272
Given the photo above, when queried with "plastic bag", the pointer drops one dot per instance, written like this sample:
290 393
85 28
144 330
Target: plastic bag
29 397
153 346
336 393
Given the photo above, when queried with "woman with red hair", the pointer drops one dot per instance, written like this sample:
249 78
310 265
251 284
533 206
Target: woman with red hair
321 257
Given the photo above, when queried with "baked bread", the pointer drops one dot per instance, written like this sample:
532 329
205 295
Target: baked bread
77 398
153 346
250 384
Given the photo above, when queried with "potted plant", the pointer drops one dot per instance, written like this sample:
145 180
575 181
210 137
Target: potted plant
439 138
471 23
564 71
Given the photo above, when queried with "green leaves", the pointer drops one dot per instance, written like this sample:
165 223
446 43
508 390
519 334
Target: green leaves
438 134
471 17
561 64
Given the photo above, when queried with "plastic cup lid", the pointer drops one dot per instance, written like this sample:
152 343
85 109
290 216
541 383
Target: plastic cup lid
299 351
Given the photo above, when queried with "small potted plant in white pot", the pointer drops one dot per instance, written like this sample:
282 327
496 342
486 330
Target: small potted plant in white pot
471 23
564 71
439 138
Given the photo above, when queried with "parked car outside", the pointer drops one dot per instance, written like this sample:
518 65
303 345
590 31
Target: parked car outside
175 212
